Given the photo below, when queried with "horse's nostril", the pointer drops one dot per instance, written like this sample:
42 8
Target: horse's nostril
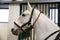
12 29
23 14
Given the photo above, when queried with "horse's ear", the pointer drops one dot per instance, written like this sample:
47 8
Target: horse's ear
29 7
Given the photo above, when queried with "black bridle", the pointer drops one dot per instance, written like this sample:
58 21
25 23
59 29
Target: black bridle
27 23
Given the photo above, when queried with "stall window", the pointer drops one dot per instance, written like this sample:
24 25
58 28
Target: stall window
4 14
53 14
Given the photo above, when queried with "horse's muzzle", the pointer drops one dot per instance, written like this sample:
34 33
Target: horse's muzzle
14 32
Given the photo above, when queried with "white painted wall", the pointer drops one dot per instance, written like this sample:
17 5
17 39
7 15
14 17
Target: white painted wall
14 14
5 28
3 31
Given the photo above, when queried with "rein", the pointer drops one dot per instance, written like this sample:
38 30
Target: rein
52 34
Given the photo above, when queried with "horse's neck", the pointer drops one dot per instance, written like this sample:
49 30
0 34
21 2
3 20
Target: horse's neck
44 26
35 14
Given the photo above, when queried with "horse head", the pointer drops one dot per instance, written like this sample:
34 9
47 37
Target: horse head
22 19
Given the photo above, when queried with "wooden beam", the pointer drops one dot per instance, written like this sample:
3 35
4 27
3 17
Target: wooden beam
25 2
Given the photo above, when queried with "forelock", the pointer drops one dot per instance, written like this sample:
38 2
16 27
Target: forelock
26 12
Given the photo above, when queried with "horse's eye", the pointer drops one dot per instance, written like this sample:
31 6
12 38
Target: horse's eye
23 15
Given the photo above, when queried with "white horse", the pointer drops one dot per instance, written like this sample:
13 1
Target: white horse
43 26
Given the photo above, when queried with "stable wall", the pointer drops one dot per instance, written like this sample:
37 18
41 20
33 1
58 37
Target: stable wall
13 15
3 27
3 31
